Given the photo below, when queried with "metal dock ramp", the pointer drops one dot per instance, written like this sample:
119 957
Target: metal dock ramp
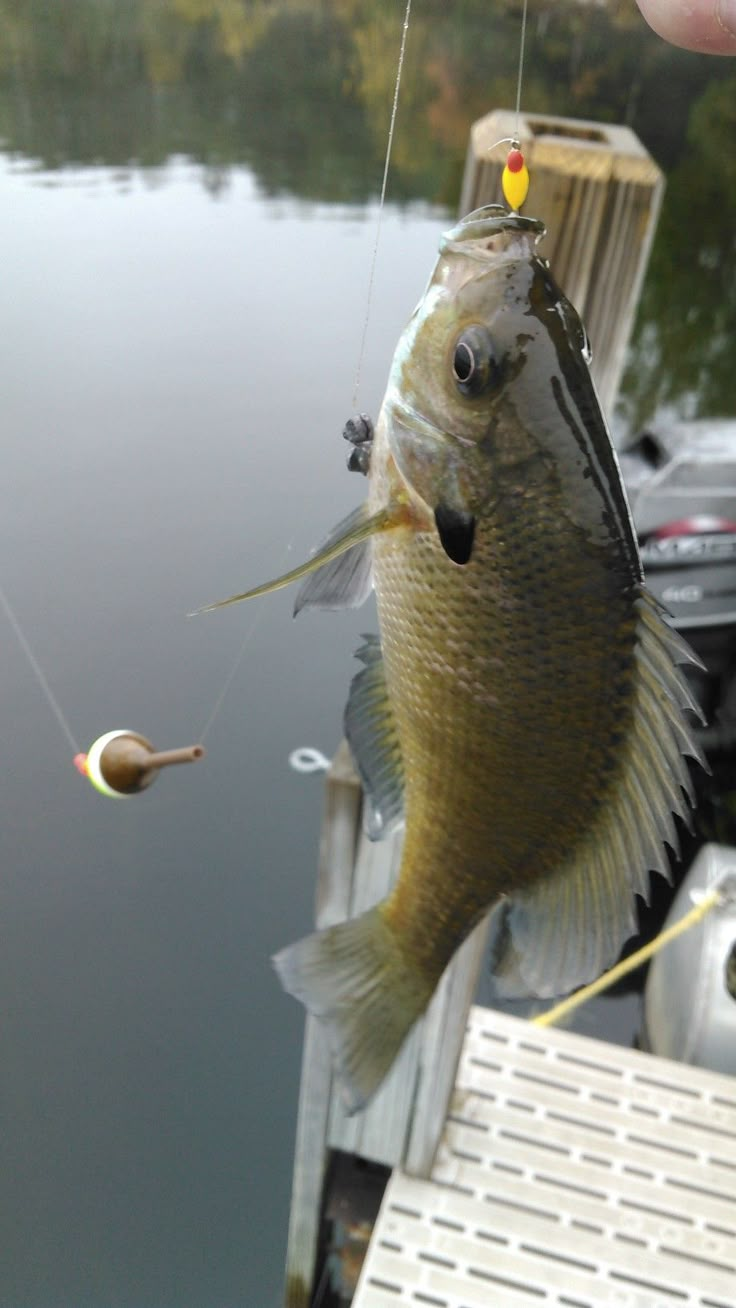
570 1172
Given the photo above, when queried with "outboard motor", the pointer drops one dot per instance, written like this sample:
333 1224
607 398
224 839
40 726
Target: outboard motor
690 994
682 489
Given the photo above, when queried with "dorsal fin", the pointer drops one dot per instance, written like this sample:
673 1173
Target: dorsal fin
571 926
371 732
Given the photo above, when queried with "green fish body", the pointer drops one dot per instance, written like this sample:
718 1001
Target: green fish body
524 710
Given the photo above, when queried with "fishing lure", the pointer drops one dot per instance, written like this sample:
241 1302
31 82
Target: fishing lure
515 179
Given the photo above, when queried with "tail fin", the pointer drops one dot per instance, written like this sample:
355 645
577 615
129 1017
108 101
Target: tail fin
354 978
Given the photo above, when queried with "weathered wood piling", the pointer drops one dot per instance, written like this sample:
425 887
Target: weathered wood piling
599 193
402 1124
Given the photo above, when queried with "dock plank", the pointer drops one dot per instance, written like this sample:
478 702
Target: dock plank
600 1176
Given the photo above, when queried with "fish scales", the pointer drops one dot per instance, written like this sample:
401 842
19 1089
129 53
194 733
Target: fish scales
511 699
524 709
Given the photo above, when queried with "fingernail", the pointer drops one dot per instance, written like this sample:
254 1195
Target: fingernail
726 15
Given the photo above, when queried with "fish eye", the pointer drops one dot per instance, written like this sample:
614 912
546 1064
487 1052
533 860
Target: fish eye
475 366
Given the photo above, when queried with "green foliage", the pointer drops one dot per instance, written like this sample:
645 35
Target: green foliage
682 357
301 91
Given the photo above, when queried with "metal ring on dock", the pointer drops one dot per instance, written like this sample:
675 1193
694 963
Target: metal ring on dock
306 760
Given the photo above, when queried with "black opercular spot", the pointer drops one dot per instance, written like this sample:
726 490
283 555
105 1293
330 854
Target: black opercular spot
456 532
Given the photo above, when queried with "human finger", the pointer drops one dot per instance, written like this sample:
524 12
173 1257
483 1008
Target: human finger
706 25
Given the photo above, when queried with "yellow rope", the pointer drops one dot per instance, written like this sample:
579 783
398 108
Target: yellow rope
708 902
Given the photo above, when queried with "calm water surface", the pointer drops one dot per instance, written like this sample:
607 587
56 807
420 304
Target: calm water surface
185 260
176 372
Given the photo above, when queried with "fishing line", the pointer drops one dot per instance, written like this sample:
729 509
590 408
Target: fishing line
371 277
250 632
39 672
522 46
247 638
54 704
361 352
715 898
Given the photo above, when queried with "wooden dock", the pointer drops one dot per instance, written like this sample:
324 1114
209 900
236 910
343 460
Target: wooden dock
570 1172
599 193
525 1164
403 1122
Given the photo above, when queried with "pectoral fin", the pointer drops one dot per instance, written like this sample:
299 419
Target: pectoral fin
352 532
344 582
456 532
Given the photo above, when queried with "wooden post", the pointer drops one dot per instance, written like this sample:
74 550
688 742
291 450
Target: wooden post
599 193
402 1124
340 826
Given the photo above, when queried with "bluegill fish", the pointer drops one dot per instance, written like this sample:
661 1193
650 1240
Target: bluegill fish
524 710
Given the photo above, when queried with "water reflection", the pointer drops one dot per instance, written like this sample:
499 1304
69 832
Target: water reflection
682 355
301 94
176 373
187 216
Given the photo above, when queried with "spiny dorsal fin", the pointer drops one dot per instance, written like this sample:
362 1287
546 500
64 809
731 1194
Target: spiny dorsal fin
371 732
572 925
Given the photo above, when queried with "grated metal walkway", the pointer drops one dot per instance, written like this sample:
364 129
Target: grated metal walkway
570 1172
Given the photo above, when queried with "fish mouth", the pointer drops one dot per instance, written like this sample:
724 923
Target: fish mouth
492 230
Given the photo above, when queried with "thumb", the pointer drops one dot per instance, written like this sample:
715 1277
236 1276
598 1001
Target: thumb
706 25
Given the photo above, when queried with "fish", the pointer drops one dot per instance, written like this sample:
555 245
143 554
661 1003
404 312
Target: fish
523 711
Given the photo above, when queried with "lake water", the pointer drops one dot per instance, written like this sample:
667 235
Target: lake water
176 373
184 283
